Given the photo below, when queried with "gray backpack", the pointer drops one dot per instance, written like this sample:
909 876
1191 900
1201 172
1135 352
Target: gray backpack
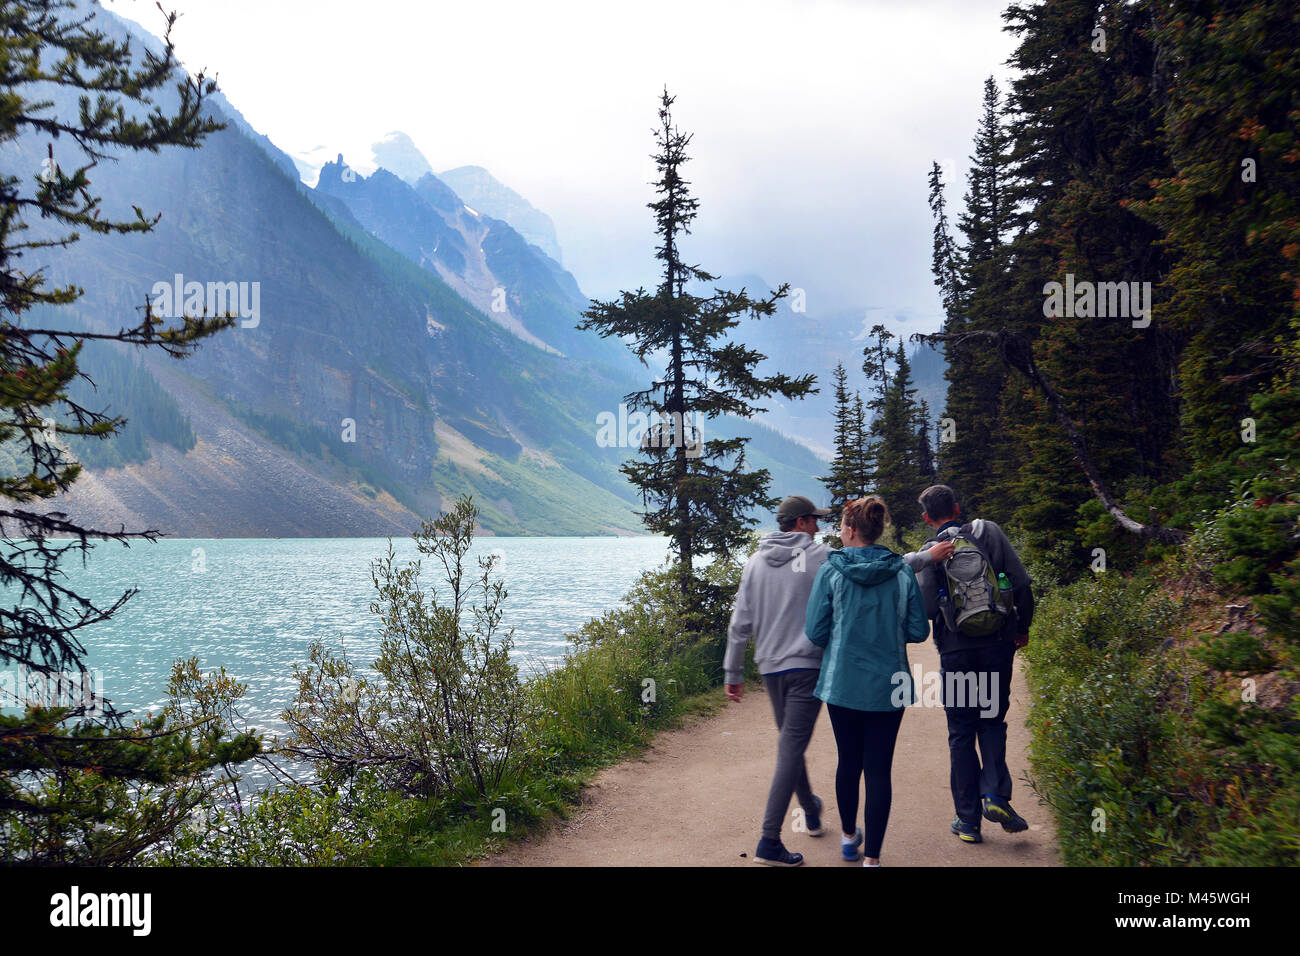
980 608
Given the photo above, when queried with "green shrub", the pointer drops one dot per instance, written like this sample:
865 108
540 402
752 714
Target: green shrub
634 668
1111 749
446 710
1238 651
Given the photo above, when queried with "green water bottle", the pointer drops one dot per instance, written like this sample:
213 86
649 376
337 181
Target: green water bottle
1004 592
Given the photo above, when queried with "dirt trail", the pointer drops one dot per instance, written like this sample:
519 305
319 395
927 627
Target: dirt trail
696 797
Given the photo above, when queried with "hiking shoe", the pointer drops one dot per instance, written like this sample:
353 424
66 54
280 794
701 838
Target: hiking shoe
999 810
852 851
774 853
813 819
968 832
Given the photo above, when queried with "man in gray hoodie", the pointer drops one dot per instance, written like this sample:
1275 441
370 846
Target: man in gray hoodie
770 605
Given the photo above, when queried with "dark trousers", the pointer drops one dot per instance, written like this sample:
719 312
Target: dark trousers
972 679
865 740
796 710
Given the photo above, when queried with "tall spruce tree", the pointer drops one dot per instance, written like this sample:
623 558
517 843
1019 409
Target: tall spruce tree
925 465
696 492
897 471
864 464
969 279
1229 208
78 783
945 262
842 480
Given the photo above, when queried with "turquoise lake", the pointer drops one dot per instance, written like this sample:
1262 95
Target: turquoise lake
254 606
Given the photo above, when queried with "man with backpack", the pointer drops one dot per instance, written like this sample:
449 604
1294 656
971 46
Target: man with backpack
981 603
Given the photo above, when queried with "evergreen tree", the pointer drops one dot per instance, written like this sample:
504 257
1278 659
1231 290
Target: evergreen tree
945 262
1229 208
842 481
925 466
897 471
696 492
864 466
77 784
875 366
969 279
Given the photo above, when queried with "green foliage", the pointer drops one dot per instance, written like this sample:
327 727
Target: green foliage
899 475
595 706
1230 210
1223 786
974 298
1237 651
848 470
1111 740
446 708
76 792
299 825
78 783
1260 531
891 456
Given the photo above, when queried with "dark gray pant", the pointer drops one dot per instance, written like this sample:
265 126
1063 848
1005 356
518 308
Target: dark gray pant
973 775
796 711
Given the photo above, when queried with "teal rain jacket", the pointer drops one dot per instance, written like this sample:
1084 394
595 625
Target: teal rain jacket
865 609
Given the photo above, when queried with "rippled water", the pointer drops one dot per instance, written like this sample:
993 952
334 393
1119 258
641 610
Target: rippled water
254 605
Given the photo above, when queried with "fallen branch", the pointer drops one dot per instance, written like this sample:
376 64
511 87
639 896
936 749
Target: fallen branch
1017 351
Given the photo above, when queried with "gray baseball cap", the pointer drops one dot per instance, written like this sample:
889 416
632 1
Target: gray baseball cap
797 506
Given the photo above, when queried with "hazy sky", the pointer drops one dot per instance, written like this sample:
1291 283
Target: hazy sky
815 122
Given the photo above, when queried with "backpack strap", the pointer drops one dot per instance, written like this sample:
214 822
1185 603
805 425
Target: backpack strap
969 531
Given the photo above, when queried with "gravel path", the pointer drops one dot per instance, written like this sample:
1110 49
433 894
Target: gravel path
696 797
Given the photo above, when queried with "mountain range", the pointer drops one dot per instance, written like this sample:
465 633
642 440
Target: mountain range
406 346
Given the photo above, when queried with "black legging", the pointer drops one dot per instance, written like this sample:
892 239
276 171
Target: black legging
865 740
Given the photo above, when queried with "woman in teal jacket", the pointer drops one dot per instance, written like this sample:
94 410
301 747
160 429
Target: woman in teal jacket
865 609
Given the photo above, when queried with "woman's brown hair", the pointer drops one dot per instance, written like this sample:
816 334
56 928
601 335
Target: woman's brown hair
868 517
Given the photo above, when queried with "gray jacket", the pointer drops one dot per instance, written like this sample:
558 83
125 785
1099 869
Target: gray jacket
772 601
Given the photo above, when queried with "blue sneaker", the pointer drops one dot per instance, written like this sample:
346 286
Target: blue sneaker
813 818
999 811
852 851
968 832
774 853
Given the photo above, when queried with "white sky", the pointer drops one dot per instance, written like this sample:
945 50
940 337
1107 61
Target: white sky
815 122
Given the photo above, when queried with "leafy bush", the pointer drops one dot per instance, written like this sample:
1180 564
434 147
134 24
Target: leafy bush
299 825
1112 749
447 708
635 667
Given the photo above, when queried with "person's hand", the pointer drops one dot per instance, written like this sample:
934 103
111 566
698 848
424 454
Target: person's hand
1021 641
735 691
942 550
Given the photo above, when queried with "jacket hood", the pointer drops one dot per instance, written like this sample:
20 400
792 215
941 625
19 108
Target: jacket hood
779 547
866 566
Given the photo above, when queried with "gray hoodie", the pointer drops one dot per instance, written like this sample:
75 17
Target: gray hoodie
771 603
